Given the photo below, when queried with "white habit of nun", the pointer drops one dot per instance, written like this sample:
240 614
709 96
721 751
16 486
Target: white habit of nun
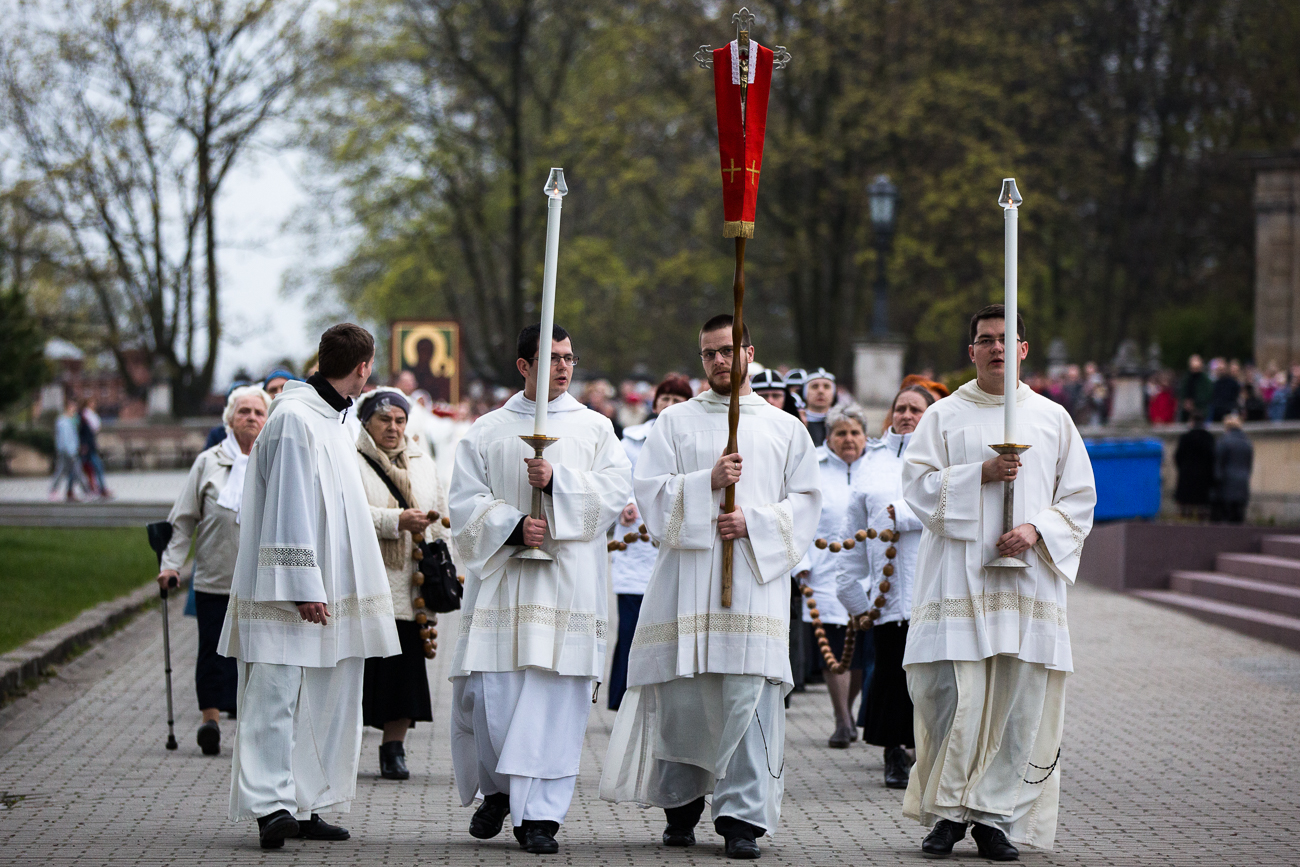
988 649
704 709
305 535
531 647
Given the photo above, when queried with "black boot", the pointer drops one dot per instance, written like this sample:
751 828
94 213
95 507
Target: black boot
490 815
897 766
939 842
993 844
538 837
681 823
392 761
209 738
272 829
741 837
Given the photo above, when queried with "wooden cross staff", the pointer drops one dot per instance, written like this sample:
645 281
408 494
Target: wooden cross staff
742 121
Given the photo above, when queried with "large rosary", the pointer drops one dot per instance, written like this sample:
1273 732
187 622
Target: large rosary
823 643
428 632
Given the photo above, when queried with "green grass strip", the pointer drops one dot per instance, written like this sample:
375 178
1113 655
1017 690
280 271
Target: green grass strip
50 575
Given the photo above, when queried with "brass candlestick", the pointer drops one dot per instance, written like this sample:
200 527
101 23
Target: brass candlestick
538 443
1008 504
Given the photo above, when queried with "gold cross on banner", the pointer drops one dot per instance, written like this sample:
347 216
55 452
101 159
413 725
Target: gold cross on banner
734 168
753 172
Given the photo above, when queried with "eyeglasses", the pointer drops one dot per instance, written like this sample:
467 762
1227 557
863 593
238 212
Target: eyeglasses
986 342
725 353
561 360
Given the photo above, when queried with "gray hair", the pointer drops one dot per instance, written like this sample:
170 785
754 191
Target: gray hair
841 414
238 394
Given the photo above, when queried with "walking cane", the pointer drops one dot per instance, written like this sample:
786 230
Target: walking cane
160 533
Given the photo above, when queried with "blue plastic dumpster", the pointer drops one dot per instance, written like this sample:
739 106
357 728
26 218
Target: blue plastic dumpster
1128 477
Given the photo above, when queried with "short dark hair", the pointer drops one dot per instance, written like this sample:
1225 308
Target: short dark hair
995 311
342 348
725 320
530 338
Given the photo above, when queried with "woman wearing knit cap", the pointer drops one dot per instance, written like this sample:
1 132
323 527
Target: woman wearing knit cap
396 688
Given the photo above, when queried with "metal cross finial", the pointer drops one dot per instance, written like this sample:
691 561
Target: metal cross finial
744 21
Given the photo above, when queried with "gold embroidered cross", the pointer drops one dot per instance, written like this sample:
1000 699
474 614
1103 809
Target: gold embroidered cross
734 168
753 171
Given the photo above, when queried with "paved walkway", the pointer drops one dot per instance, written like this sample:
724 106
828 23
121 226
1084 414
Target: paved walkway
1182 746
144 486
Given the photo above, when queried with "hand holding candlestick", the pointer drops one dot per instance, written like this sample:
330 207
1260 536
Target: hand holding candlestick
1010 201
556 189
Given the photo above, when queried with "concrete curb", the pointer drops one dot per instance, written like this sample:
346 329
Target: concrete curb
30 660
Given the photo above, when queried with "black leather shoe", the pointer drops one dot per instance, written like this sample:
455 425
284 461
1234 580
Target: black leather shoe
273 829
317 828
993 844
209 738
742 848
538 837
897 766
939 842
489 817
392 761
679 836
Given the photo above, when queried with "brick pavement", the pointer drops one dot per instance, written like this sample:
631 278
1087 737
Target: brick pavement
1181 747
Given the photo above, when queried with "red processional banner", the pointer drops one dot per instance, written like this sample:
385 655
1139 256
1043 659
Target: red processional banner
740 133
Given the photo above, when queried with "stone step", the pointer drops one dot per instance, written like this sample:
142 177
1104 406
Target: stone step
1281 546
1267 625
1264 595
1260 567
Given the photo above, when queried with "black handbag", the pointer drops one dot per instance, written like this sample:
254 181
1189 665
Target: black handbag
441 590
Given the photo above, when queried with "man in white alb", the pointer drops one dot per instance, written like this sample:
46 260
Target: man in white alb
988 648
704 710
308 602
531 648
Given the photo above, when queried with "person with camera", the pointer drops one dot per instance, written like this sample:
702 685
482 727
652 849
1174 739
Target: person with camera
407 504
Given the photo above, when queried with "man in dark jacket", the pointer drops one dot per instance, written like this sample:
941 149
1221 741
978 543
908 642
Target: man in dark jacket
1233 458
1194 390
1194 458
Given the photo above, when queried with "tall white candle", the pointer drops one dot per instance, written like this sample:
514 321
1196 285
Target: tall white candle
1010 202
555 191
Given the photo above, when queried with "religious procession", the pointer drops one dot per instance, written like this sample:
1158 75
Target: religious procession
443 576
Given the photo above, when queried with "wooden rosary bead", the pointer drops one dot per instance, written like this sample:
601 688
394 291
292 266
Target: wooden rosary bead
880 601
611 546
821 543
888 571
417 579
433 515
871 534
645 537
820 632
421 618
446 522
460 578
884 586
835 547
642 529
427 632
891 552
807 591
417 554
848 544
622 546
629 537
861 535
418 602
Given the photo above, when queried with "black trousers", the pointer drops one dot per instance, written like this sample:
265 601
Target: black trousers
629 611
216 678
887 706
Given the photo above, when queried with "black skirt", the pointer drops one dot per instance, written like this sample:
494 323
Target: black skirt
397 687
887 714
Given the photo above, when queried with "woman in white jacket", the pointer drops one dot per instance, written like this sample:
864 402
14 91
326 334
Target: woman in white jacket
395 695
863 586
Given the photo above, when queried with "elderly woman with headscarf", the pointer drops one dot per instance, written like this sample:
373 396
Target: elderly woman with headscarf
395 694
630 569
208 506
869 579
841 465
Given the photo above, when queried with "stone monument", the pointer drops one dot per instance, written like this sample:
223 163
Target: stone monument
1277 259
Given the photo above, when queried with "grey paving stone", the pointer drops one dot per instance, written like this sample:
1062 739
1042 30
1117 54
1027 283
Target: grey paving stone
1181 747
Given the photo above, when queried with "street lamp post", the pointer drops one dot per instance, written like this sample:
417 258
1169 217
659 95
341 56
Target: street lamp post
882 196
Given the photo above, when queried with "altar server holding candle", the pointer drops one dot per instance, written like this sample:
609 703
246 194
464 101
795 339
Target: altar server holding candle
988 648
531 648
